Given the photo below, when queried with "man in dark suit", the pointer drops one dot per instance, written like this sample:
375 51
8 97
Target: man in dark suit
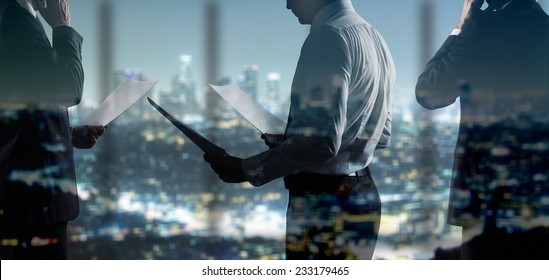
497 62
38 81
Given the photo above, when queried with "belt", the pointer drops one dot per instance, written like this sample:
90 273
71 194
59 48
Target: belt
301 179
362 172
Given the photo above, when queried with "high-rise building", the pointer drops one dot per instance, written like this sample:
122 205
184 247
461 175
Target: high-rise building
181 100
249 81
274 99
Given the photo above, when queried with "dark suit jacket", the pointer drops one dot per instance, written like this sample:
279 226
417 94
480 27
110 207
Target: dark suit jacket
499 68
38 82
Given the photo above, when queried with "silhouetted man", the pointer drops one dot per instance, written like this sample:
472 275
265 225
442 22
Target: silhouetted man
38 82
340 112
497 62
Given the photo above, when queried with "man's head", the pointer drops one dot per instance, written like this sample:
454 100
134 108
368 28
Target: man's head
305 10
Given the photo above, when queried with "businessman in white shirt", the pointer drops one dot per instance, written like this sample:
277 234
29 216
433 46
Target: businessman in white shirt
340 114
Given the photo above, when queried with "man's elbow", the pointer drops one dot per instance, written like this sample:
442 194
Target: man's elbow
428 103
432 99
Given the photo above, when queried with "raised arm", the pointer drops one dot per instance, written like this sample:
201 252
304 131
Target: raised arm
35 71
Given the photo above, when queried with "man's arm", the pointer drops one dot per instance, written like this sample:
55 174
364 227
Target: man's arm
35 71
438 85
318 111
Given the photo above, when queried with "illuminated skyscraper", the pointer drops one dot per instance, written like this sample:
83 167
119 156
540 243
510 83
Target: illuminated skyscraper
274 99
249 81
181 100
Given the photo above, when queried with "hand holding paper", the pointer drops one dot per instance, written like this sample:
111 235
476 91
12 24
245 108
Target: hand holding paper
86 136
228 168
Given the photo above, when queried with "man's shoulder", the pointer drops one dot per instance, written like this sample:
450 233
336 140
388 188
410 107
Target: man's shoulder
11 11
11 6
345 21
5 5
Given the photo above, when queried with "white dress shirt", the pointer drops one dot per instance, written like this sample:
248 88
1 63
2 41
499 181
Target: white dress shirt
340 101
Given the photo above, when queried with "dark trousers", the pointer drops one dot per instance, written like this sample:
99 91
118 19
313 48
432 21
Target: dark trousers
48 242
332 217
503 244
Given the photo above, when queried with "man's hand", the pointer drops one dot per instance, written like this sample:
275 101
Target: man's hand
470 7
85 137
228 168
55 12
272 140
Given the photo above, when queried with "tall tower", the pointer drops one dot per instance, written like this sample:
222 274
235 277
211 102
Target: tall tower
210 182
426 216
426 130
105 49
212 41
106 149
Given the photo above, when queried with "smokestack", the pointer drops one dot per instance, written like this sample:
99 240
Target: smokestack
212 24
105 49
426 31
426 129
212 40
106 148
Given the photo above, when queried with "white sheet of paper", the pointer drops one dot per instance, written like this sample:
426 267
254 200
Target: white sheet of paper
120 100
256 114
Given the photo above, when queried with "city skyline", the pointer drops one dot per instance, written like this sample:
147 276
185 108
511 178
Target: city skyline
157 190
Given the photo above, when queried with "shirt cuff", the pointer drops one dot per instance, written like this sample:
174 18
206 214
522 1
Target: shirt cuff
456 32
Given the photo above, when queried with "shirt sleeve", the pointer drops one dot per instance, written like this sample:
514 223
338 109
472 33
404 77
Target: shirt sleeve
35 70
317 112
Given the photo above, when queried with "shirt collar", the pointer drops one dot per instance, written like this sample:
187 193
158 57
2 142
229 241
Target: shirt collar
25 4
331 9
